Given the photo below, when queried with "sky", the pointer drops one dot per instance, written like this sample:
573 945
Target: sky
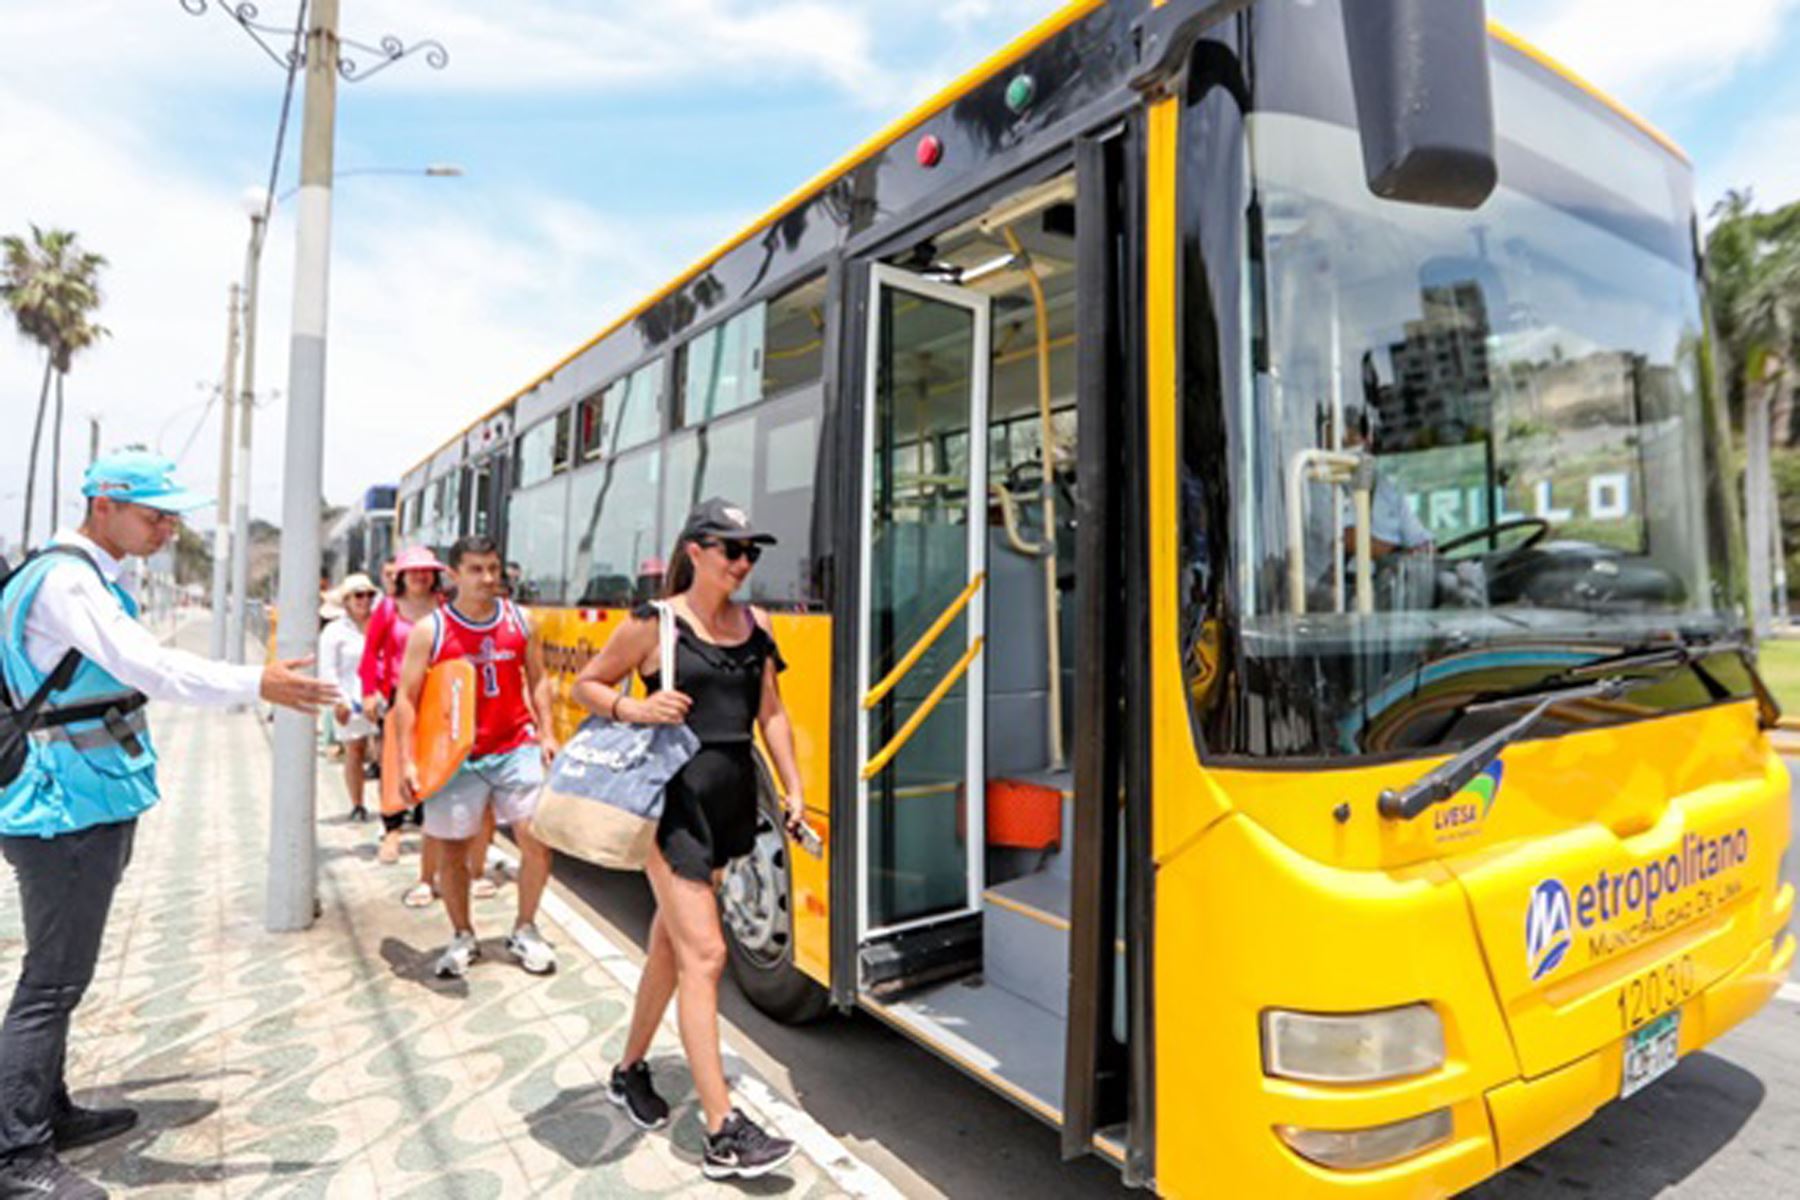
605 145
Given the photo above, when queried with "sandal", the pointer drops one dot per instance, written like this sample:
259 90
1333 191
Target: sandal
421 895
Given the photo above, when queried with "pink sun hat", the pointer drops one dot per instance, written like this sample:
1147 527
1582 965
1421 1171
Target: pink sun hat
417 558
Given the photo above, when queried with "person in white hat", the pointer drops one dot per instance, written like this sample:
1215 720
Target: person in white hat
340 659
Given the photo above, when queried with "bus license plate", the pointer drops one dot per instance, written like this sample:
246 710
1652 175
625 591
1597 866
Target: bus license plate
1651 1052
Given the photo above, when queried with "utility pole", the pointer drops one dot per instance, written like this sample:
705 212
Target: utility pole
222 517
240 525
292 885
1758 504
93 439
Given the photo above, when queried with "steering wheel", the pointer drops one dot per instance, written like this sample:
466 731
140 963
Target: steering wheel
1540 530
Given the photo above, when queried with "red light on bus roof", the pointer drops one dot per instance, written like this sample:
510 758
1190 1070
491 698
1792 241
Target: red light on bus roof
931 151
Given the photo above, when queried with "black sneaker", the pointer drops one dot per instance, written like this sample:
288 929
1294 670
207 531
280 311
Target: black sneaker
44 1177
85 1126
630 1088
741 1148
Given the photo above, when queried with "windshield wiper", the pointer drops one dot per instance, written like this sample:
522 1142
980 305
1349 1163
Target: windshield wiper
1690 655
1445 780
1449 778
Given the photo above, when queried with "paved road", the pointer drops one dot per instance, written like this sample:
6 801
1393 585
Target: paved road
1725 1123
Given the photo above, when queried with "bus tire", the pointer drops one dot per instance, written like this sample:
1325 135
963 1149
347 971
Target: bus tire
756 904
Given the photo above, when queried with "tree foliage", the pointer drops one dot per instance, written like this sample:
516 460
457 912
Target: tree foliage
50 285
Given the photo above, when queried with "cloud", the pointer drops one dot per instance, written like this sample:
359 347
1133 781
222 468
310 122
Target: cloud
1644 50
1758 159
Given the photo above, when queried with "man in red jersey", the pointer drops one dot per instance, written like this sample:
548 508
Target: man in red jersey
505 767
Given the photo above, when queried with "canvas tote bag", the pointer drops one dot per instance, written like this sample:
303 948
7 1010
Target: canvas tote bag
605 791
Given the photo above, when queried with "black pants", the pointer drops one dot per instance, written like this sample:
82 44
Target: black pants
65 890
391 822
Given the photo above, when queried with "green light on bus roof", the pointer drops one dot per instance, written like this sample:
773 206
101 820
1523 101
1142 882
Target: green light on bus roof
1020 93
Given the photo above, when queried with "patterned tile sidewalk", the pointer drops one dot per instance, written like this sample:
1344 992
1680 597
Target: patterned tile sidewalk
331 1062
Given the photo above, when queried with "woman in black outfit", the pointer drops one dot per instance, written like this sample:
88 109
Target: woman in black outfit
726 665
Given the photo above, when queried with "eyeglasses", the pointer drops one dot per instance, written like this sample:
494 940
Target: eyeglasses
736 550
362 595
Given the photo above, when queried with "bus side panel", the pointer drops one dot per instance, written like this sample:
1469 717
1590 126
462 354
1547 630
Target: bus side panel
1244 924
572 636
805 643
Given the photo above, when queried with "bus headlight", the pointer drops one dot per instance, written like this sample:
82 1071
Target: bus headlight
1344 1149
1352 1047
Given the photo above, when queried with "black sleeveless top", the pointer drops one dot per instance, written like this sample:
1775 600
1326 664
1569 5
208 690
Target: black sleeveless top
724 682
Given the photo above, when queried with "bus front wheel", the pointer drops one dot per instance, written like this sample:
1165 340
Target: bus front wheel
756 898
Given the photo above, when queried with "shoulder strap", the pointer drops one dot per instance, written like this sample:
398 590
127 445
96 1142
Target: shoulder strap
63 673
665 644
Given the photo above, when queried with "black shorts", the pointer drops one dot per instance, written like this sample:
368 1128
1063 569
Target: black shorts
709 811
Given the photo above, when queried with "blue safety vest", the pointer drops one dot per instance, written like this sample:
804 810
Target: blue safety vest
86 773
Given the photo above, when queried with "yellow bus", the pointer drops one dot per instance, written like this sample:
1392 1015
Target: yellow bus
1260 582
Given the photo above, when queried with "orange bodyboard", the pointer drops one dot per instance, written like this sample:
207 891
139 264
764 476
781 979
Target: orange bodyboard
443 733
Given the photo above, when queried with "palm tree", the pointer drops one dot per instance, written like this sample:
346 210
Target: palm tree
50 285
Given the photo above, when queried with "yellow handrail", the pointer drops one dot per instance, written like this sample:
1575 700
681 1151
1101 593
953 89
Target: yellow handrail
925 642
875 765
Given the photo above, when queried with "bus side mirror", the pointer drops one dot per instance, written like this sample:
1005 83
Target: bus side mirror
1424 99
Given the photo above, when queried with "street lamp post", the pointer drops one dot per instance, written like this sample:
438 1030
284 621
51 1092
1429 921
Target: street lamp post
256 203
221 591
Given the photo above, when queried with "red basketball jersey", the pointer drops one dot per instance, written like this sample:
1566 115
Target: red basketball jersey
497 648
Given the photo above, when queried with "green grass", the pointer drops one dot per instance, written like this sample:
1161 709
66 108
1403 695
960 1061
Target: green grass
1779 659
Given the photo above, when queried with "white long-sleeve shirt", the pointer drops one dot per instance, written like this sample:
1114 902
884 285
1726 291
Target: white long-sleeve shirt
340 656
73 609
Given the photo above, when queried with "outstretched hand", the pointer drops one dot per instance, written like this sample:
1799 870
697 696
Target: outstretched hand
285 684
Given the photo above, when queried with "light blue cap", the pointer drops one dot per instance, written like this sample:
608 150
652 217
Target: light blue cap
143 478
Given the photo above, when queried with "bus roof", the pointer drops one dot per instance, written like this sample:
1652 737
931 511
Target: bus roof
1046 29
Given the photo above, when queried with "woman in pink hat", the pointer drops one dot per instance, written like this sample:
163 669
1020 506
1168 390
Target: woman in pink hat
418 584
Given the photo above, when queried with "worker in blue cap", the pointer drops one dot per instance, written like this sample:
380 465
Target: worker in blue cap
68 815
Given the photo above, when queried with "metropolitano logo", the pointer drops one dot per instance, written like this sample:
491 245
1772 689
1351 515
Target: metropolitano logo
1548 928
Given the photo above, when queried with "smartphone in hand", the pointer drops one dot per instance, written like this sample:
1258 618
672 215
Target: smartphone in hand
809 840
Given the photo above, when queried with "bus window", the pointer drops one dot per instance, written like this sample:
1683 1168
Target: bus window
1517 394
591 427
765 460
563 448
633 405
536 454
794 339
535 520
721 370
613 519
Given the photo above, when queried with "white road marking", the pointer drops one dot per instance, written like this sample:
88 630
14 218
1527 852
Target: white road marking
852 1174
1790 992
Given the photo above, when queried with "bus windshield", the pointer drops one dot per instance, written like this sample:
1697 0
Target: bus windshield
1470 449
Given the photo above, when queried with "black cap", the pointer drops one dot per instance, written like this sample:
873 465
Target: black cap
716 518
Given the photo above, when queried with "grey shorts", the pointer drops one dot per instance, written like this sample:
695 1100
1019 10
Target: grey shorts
510 782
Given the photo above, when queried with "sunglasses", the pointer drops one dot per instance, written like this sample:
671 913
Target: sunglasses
735 550
363 595
157 516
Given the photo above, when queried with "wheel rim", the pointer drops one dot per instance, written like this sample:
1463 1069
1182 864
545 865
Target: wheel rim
755 897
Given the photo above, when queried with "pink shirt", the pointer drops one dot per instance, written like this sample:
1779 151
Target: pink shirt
384 648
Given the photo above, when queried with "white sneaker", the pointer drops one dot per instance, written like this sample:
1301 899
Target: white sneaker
454 962
528 946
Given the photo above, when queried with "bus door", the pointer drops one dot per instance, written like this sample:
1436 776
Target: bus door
920 729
